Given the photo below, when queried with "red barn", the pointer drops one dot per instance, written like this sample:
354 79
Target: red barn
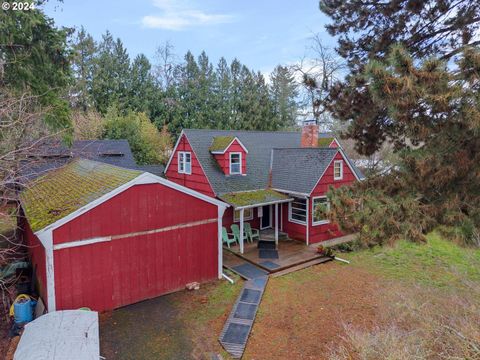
104 237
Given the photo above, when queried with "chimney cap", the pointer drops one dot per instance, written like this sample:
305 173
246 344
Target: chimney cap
309 122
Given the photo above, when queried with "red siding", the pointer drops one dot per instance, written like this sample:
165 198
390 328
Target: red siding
224 159
197 179
333 144
328 231
323 232
36 252
227 220
108 275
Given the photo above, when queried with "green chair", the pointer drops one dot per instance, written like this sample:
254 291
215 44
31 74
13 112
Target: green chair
226 238
251 232
236 232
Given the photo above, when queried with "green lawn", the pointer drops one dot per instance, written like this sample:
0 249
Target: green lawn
439 262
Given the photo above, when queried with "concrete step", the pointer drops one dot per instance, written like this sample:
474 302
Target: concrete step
301 266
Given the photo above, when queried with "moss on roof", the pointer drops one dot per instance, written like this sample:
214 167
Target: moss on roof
325 142
62 191
245 198
220 143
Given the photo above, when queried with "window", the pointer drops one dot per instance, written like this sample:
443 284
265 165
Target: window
321 207
235 163
247 215
184 162
297 210
338 170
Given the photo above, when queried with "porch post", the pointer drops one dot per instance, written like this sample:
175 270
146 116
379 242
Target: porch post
241 230
276 225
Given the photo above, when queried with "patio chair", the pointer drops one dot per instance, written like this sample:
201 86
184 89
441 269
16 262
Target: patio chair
251 232
227 239
236 232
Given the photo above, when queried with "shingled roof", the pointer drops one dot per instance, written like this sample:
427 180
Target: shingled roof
62 191
51 155
298 170
259 145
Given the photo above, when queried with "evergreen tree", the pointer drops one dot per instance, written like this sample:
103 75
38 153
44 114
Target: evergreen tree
84 49
222 94
367 30
283 90
205 116
35 59
111 74
141 85
437 108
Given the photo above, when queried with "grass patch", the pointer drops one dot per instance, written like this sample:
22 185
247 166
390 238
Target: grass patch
439 262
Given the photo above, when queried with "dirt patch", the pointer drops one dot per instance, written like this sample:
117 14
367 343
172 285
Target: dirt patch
182 325
303 314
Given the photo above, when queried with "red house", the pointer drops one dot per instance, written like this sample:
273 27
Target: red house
271 179
103 236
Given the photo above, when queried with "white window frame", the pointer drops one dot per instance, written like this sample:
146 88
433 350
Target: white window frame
182 162
230 162
335 163
321 222
237 219
296 221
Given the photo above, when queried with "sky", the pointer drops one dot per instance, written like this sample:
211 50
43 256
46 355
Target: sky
261 33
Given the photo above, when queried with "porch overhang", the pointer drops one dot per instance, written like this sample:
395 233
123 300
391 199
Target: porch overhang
255 198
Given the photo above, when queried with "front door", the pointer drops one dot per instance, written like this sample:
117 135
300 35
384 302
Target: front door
266 221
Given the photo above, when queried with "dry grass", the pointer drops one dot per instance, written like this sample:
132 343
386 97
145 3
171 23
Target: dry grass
421 320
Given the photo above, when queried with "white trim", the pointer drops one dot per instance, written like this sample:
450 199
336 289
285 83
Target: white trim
236 220
263 204
276 225
241 231
220 211
218 152
322 222
173 152
145 178
341 169
297 194
184 162
100 239
347 160
307 237
295 221
46 240
230 163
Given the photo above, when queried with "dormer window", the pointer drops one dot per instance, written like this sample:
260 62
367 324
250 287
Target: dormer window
235 163
184 162
338 170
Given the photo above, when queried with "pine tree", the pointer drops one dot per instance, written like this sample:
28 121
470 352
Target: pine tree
367 30
283 91
222 93
141 85
111 74
84 49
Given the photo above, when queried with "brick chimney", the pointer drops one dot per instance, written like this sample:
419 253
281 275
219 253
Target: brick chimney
309 134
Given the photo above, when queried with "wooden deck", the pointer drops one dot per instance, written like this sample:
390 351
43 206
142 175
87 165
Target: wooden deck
290 253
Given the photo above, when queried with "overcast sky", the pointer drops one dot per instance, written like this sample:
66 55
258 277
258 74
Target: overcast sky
260 33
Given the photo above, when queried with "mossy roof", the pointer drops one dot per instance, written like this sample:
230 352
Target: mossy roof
62 191
325 142
246 198
220 143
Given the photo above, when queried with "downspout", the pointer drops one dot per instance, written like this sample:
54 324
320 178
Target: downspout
220 212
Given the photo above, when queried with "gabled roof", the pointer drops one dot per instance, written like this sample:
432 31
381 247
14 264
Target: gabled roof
298 170
259 145
62 191
220 144
53 154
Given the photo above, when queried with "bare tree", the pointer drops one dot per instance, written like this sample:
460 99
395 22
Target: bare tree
166 61
319 68
21 131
